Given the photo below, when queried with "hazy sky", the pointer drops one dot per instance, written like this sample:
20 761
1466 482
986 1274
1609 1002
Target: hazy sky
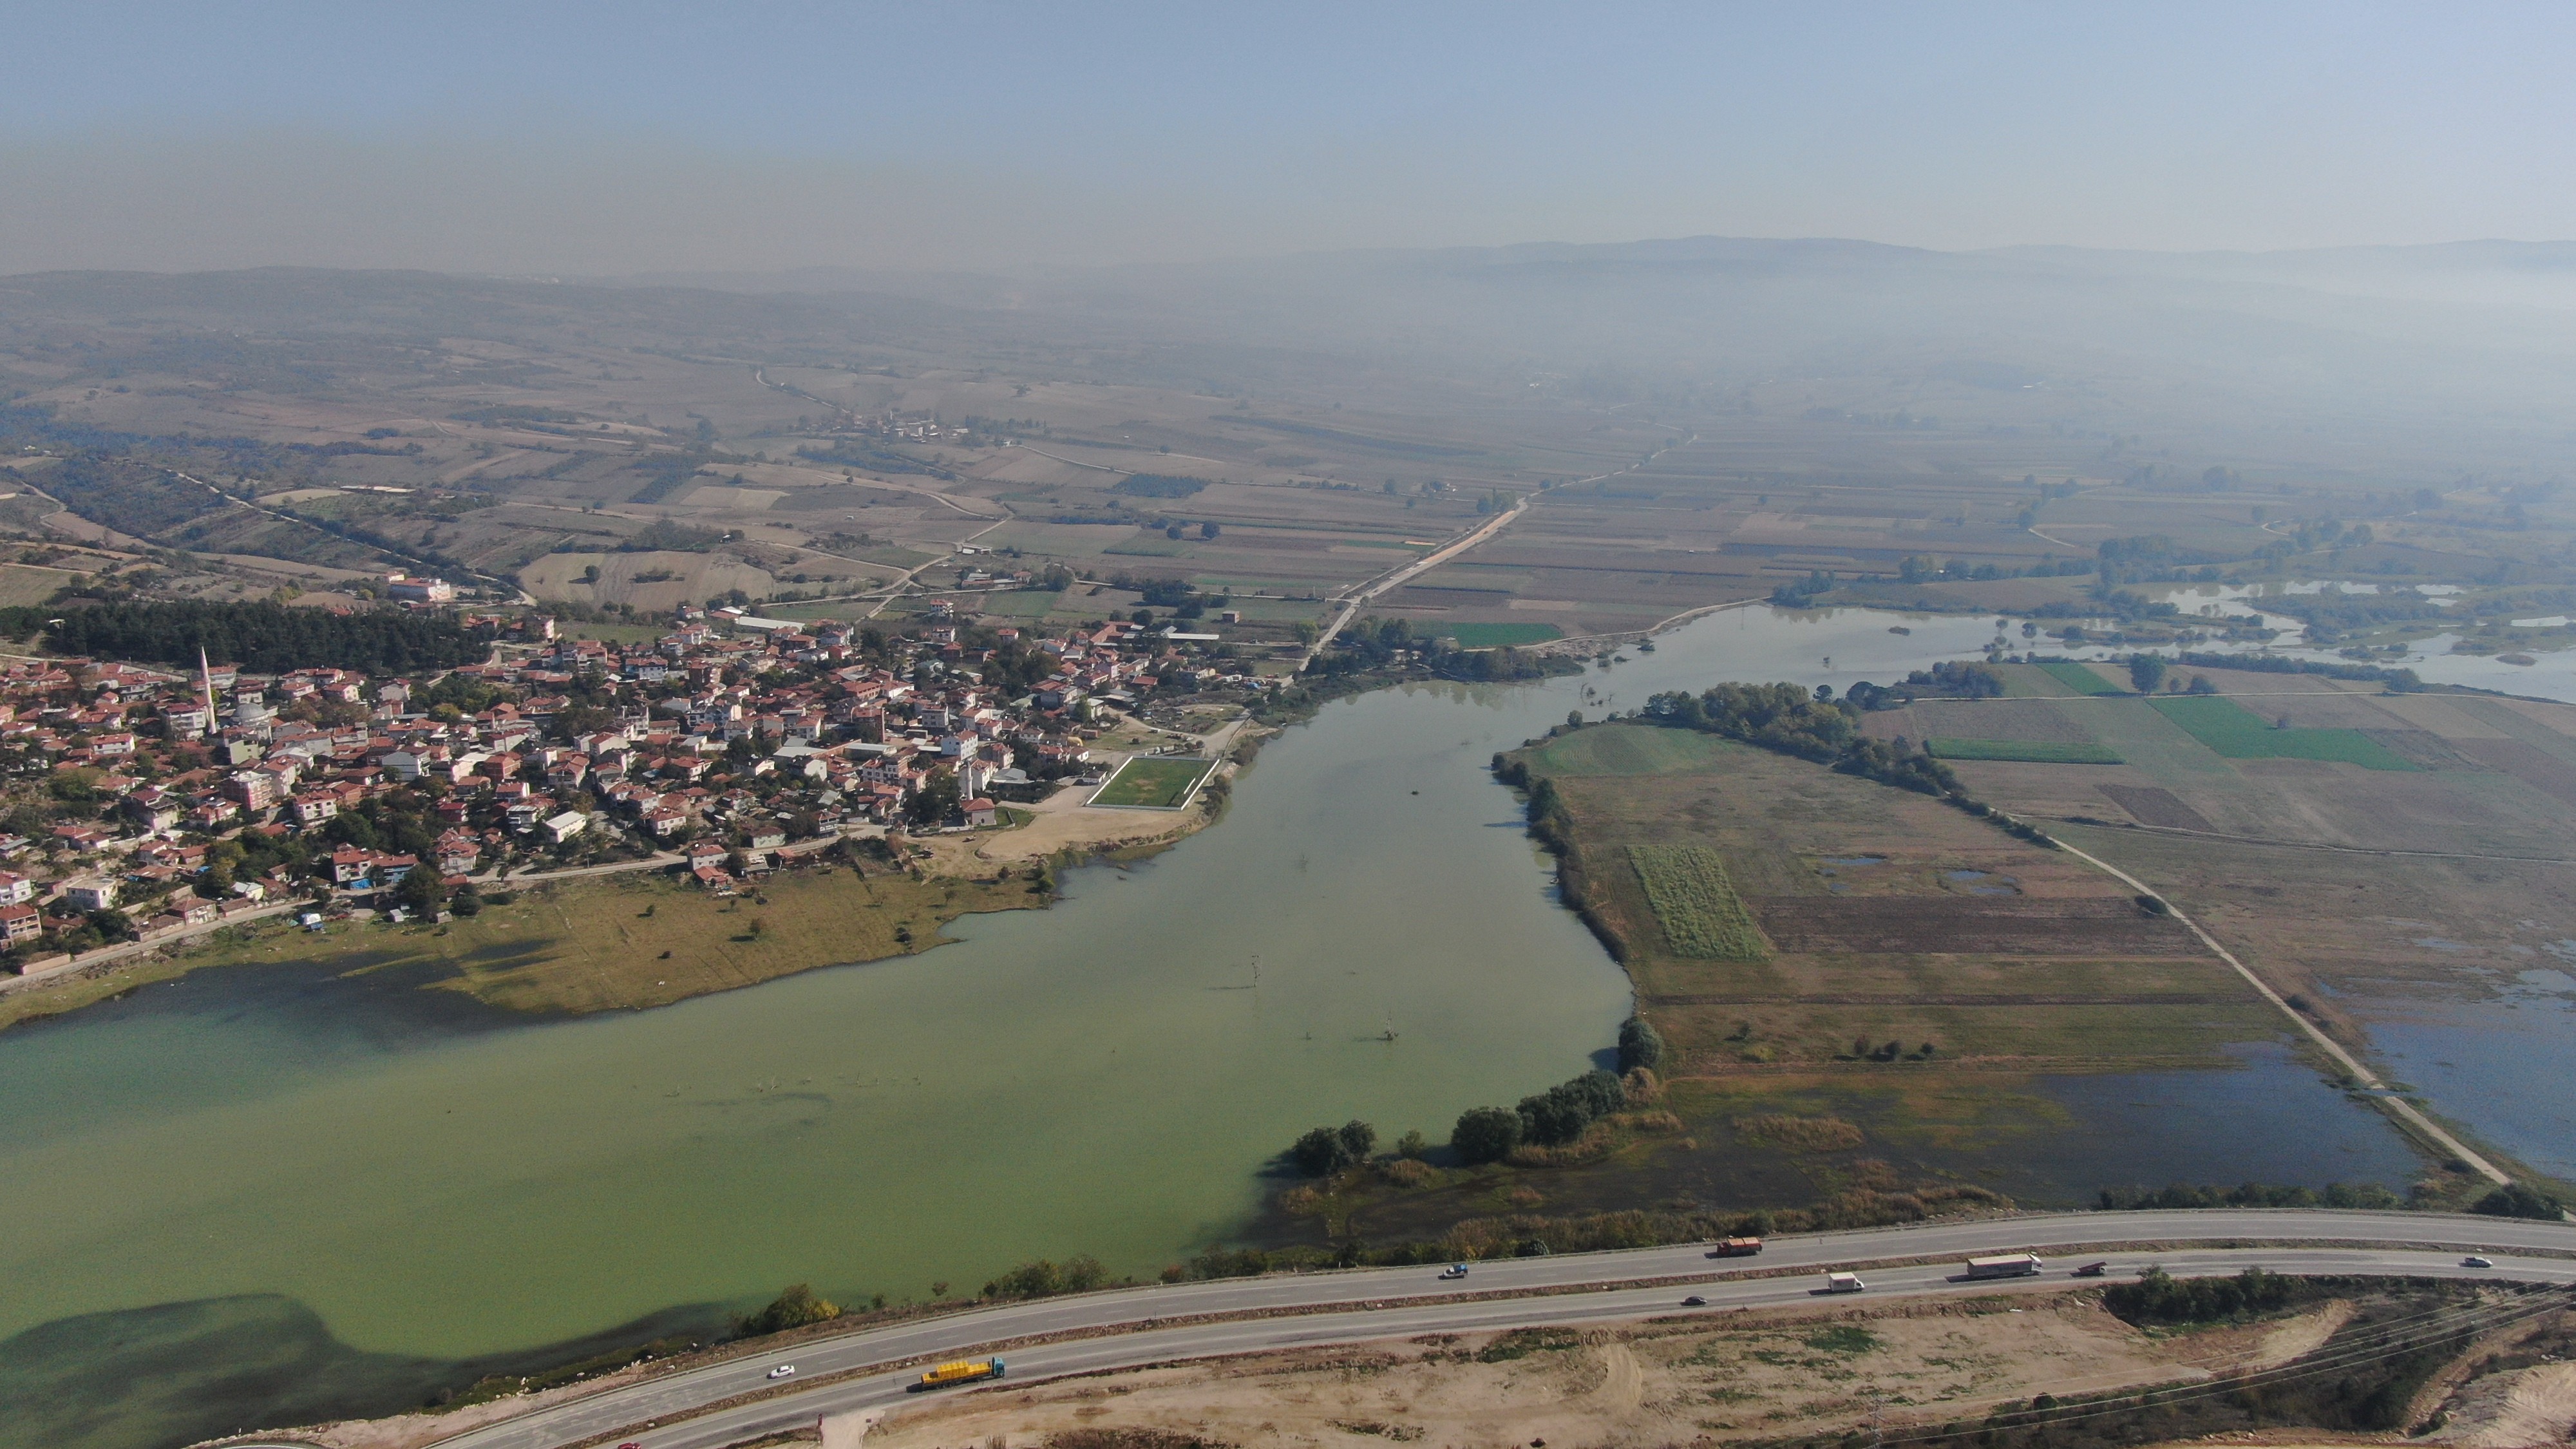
602 138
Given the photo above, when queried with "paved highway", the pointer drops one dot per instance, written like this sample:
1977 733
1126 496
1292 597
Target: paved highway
1133 1326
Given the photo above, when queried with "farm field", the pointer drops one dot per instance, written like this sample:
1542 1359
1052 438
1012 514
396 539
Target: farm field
2081 678
1857 984
1495 636
1146 783
2231 730
2382 898
2044 752
1695 904
1890 917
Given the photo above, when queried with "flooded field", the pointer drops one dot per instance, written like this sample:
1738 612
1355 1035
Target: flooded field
399 1182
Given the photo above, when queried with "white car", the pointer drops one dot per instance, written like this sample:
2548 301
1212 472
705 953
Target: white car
785 1370
1454 1270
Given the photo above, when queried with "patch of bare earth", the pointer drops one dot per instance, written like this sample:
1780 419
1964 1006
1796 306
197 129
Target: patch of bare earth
1708 1377
2514 1409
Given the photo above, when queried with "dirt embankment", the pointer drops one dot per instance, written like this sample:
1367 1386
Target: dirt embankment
1733 1376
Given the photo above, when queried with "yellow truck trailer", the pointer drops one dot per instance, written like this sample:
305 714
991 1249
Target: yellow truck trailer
963 1371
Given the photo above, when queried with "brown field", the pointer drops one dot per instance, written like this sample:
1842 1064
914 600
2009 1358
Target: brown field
560 412
2154 806
1895 917
2325 878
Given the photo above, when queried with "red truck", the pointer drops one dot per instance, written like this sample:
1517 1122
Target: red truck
1735 1248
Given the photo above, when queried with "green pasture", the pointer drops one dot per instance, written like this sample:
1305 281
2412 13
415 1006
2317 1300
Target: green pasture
1497 636
2235 732
1626 749
2079 678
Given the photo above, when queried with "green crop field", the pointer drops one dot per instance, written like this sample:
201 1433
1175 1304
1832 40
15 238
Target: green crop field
2233 731
2041 752
1013 604
1626 749
1696 904
1496 636
2078 678
1153 784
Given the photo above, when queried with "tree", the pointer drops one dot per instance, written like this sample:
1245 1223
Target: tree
419 892
1639 1046
1485 1134
1321 1152
1359 1139
1208 530
2146 672
936 801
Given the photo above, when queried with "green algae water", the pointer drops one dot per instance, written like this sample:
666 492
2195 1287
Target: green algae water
310 1195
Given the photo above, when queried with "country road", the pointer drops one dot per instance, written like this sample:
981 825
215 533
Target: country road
1361 593
872 1367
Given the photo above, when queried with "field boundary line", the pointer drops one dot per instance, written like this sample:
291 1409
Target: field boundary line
2306 844
2380 1091
1208 772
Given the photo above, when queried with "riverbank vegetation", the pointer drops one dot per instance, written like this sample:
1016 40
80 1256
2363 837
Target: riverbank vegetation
624 942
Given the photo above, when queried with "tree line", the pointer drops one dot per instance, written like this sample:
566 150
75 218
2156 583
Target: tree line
262 637
1788 720
1561 1113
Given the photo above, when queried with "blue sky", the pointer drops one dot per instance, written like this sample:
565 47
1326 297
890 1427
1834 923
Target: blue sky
601 138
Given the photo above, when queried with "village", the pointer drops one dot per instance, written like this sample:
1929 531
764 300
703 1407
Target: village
156 803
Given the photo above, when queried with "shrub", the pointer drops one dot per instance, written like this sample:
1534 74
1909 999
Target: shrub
1485 1134
795 1307
1801 1134
2158 1297
1407 1172
1639 1046
2519 1200
1043 1278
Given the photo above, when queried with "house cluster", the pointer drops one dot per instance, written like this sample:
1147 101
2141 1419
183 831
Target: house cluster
808 722
732 736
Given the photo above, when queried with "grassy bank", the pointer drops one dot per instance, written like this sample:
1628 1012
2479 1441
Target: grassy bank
623 942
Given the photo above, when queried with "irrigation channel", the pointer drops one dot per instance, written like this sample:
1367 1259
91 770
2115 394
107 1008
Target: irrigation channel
261 1195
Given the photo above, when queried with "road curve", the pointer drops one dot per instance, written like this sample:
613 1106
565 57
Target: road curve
1136 1325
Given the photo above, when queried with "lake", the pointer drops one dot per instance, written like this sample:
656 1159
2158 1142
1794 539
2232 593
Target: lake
261 1194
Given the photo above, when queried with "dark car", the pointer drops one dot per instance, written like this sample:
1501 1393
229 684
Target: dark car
1694 1301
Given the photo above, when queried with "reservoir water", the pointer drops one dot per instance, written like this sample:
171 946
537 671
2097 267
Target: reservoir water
250 1170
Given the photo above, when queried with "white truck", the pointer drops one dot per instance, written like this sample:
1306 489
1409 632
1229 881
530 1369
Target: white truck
1844 1283
2005 1265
